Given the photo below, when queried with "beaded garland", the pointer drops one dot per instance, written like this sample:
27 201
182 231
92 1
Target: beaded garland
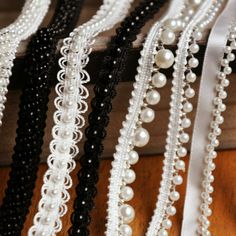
68 117
109 76
40 60
26 24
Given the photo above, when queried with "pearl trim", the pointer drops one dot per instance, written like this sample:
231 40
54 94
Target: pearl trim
69 118
26 24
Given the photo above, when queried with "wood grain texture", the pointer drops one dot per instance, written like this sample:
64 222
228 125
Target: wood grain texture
146 186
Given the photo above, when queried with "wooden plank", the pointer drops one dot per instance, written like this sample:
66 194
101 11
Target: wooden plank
157 128
146 187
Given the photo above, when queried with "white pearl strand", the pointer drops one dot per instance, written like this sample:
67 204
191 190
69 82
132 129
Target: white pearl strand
217 120
26 24
71 105
133 134
180 107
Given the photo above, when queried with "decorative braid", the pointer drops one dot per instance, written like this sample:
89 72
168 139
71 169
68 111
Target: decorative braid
39 62
113 66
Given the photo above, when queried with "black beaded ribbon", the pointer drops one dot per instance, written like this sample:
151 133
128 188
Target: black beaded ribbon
39 62
105 91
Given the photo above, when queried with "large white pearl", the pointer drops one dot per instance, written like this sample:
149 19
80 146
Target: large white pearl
194 48
178 180
184 138
153 97
186 123
191 77
126 230
127 193
182 152
141 137
127 213
159 80
174 196
129 176
133 157
147 115
190 93
167 223
193 62
188 107
164 58
167 37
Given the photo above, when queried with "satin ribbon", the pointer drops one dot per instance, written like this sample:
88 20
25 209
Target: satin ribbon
214 52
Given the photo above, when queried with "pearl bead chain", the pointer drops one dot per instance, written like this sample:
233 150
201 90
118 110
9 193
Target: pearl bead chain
213 142
182 92
137 136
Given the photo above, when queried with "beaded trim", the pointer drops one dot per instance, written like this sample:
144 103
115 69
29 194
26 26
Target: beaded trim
26 24
40 59
71 105
109 76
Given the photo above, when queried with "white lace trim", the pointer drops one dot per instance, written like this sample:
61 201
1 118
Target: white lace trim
71 105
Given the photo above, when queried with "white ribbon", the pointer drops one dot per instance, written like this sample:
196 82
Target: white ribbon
211 66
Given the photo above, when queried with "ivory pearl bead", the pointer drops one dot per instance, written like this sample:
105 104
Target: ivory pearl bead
184 138
167 223
225 82
159 80
197 35
171 210
188 107
129 176
147 115
227 70
170 24
182 152
174 196
167 37
180 165
224 62
193 62
126 230
162 232
153 97
228 49
127 213
190 93
222 107
231 57
194 48
127 193
133 157
191 77
178 180
141 137
186 123
164 58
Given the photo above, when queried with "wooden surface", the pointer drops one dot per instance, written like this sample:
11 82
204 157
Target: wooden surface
148 176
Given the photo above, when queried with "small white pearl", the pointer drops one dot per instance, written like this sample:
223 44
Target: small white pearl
167 37
147 115
184 138
127 193
171 210
190 93
182 152
194 48
191 77
228 49
127 213
188 107
162 232
141 137
197 35
193 62
167 223
225 82
222 107
224 62
170 24
228 70
233 45
133 157
174 196
220 119
153 97
221 75
186 123
180 165
178 180
126 230
208 212
159 80
129 176
164 58
231 57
